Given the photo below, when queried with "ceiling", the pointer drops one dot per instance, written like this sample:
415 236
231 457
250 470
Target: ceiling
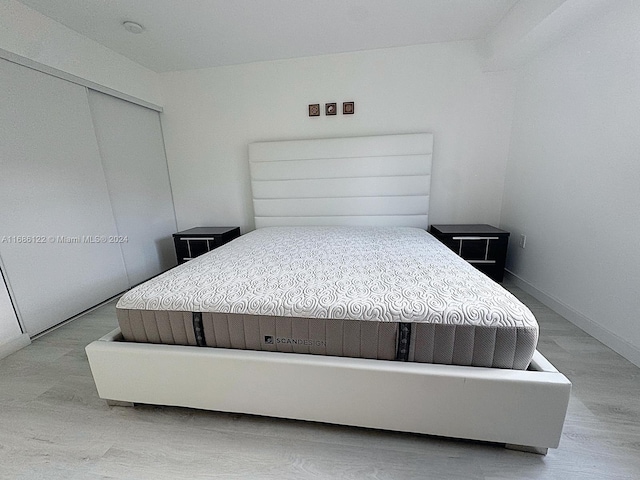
190 34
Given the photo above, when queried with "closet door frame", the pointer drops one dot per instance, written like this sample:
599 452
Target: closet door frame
14 306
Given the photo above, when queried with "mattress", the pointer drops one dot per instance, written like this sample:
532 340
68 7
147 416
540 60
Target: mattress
387 293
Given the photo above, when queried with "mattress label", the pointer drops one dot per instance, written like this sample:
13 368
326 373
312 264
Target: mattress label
272 340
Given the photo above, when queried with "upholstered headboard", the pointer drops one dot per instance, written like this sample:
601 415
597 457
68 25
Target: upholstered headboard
378 180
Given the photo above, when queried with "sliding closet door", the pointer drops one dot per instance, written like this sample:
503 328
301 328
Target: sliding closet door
9 326
133 157
55 215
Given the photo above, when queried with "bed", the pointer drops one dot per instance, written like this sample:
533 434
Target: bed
338 308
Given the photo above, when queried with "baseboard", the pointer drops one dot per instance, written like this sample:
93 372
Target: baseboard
14 345
597 331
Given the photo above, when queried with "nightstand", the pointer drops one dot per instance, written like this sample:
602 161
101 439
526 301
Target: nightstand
196 241
483 246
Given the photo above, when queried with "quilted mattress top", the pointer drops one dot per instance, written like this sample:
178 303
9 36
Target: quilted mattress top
386 274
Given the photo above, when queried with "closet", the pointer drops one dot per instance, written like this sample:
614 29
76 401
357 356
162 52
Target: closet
85 202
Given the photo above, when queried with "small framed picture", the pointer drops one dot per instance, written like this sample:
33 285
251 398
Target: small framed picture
348 108
314 110
330 109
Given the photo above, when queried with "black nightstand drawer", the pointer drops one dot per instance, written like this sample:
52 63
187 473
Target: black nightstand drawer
483 246
197 241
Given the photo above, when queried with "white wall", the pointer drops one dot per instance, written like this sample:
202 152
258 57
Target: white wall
572 183
212 114
31 35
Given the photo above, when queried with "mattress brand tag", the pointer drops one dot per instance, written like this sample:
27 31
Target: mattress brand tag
273 340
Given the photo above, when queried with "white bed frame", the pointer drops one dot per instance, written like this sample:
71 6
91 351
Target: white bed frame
382 180
515 407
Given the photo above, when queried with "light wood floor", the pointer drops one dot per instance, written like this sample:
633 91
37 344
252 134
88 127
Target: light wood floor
54 426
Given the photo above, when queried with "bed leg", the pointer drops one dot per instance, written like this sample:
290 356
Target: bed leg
118 403
526 448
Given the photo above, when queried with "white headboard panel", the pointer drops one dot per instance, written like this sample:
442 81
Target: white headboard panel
378 180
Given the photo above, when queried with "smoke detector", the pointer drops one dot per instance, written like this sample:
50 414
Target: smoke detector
133 27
